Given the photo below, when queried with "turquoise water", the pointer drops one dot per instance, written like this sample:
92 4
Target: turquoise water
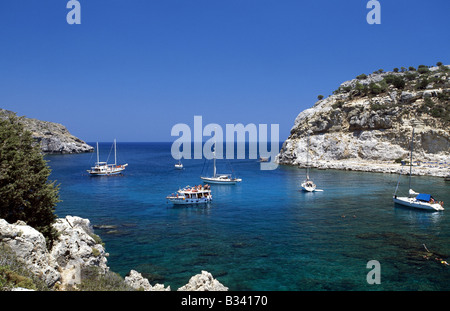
262 234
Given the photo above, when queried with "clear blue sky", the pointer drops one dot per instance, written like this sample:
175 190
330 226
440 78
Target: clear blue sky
135 68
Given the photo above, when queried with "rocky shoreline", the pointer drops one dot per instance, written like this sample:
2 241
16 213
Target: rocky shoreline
53 138
366 125
76 249
435 169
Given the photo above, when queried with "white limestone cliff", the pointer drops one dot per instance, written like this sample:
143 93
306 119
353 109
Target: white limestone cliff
357 130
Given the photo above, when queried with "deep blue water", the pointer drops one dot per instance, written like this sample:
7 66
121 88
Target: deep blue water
262 234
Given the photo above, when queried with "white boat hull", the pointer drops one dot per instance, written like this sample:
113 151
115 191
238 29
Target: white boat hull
179 166
222 181
183 201
309 186
413 203
107 172
309 189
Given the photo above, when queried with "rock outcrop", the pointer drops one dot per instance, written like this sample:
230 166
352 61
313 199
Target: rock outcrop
135 280
76 248
29 245
367 124
203 282
53 138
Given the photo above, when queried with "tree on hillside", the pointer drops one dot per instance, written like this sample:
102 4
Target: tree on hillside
25 191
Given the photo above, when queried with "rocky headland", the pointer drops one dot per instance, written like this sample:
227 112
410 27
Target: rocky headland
53 138
77 252
366 125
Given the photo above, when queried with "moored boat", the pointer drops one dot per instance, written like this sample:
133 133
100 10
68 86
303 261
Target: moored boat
308 185
179 166
105 169
416 200
200 194
421 201
223 179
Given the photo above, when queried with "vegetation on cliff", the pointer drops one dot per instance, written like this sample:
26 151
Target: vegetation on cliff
368 121
53 138
411 80
25 191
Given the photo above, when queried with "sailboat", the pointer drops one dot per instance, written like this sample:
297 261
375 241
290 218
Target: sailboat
308 184
416 200
179 165
224 179
103 168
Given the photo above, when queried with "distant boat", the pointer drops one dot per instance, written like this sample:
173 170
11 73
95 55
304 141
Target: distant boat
179 165
105 169
200 194
416 200
308 184
224 179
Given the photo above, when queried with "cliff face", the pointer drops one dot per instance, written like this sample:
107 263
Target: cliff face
76 249
53 138
367 124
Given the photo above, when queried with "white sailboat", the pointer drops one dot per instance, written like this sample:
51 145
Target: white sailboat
224 179
105 169
308 184
179 165
416 200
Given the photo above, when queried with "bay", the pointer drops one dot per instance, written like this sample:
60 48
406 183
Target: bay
262 234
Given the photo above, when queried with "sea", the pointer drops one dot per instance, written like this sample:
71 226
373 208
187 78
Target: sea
263 234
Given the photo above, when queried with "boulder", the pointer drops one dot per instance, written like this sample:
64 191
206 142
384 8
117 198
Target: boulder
30 247
203 282
135 280
76 248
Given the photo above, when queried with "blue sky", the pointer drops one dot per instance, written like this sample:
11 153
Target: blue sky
133 69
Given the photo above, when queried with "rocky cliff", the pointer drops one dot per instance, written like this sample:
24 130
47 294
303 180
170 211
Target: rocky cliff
52 137
76 250
367 124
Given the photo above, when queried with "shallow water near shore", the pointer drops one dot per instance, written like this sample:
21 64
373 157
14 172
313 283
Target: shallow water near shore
262 234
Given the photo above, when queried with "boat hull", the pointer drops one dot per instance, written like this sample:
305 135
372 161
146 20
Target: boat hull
413 203
181 201
114 171
309 189
213 180
307 186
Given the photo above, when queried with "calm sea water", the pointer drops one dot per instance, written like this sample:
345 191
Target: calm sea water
263 234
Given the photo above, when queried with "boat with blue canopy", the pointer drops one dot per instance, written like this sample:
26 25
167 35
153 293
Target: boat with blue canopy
417 200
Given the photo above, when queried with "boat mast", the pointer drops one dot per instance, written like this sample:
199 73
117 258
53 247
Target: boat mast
410 158
115 153
307 158
97 154
214 153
